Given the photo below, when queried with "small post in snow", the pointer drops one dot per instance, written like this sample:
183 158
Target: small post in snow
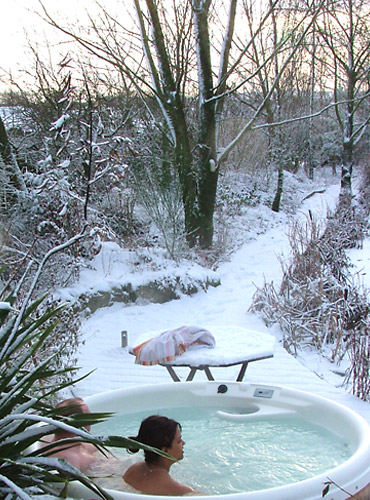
124 338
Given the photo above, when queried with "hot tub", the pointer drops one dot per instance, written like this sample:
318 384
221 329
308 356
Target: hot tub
253 404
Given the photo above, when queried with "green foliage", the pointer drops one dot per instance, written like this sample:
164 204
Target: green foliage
25 393
28 390
233 200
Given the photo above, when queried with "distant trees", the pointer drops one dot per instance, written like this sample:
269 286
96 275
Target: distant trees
182 50
4 143
344 30
184 72
275 68
10 173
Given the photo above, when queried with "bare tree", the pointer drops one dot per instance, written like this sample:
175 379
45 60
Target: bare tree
172 57
276 70
345 32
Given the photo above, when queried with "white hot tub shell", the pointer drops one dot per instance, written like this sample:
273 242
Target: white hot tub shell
258 401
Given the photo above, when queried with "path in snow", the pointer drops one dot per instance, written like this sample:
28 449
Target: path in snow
226 304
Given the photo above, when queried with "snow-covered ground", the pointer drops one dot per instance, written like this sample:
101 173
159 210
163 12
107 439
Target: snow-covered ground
254 262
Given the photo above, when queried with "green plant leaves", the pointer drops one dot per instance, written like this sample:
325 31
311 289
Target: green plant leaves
29 387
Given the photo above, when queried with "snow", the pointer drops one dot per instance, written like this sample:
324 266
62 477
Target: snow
257 260
5 306
360 258
114 267
60 122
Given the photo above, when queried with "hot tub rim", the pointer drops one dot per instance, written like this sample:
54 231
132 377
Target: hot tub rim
340 474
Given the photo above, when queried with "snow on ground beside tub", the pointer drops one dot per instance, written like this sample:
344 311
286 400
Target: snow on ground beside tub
116 267
255 261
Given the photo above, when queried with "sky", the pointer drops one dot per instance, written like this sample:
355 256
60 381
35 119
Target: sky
19 21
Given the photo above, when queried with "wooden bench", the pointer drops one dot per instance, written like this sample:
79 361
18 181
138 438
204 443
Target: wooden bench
234 346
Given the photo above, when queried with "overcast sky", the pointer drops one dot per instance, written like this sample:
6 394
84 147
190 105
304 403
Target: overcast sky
14 17
19 20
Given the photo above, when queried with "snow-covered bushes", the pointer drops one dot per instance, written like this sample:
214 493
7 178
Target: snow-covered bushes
319 303
63 340
359 352
73 176
157 185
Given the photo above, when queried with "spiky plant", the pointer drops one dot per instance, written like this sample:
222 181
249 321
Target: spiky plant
28 389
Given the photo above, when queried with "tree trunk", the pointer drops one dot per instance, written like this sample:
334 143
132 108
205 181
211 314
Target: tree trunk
347 165
5 150
279 190
208 169
311 163
346 177
168 97
184 163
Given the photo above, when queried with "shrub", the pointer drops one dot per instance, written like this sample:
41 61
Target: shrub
25 402
319 304
158 190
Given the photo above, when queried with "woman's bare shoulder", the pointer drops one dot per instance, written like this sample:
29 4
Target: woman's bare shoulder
136 469
175 488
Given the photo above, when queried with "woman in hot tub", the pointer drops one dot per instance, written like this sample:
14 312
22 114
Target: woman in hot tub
152 476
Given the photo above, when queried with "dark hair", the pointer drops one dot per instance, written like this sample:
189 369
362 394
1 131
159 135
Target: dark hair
156 431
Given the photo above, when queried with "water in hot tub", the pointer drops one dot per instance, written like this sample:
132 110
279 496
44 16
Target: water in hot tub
224 456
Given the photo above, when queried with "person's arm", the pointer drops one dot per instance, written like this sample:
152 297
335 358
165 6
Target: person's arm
70 456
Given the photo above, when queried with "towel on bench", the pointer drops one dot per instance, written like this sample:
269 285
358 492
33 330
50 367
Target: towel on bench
171 343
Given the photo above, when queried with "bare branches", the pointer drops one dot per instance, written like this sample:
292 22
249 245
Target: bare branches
302 31
261 56
319 303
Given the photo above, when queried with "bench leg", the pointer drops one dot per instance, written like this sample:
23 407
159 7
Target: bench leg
242 371
208 373
173 374
191 374
193 370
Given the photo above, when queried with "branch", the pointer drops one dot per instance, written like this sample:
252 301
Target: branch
162 55
246 48
49 254
359 132
224 152
267 60
304 117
